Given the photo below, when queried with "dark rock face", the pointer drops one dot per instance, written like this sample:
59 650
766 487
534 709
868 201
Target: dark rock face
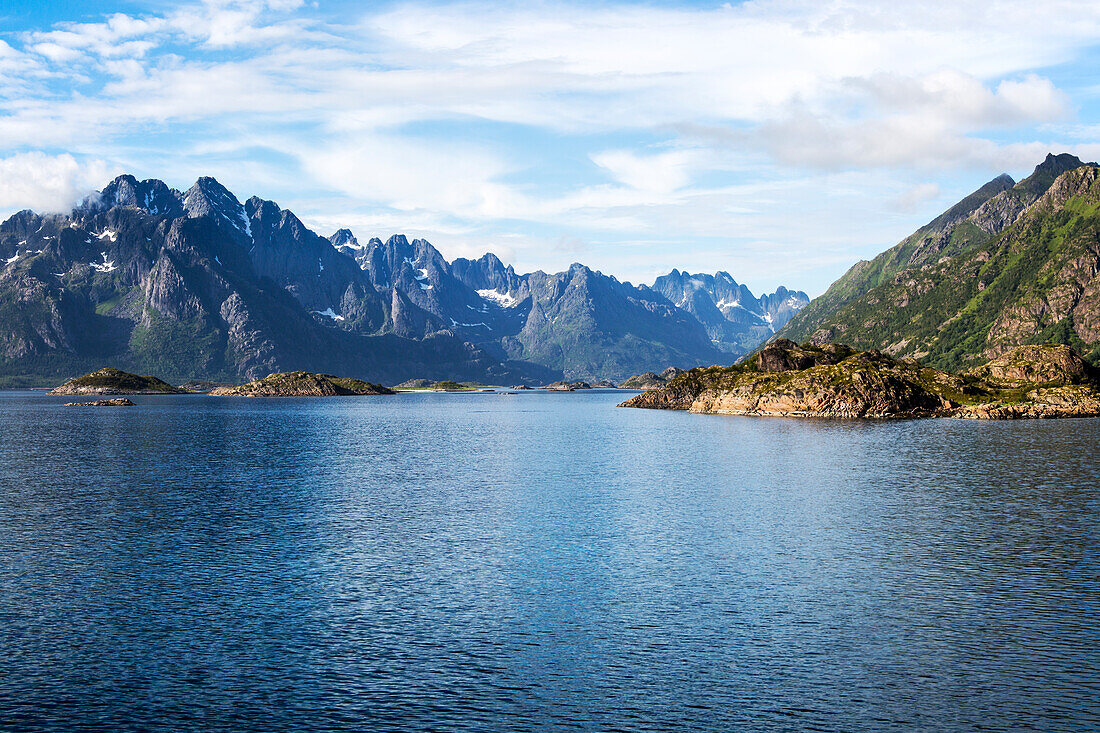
197 284
783 355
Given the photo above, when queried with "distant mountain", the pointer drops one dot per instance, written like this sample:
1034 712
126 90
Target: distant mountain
735 319
581 322
1012 263
198 284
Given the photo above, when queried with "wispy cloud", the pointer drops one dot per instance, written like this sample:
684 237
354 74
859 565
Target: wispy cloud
695 130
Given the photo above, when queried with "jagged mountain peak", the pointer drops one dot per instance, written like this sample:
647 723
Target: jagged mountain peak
208 197
345 238
151 195
1046 172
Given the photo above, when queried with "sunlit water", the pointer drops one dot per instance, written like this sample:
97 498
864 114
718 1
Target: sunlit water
540 562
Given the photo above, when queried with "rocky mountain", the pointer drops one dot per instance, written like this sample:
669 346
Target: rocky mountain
200 285
197 284
582 322
1011 264
735 319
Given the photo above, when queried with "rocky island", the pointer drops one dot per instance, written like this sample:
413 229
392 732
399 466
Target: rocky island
651 380
834 380
562 386
116 381
116 402
302 384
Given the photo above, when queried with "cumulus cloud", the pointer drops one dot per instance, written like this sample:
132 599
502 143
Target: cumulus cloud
50 183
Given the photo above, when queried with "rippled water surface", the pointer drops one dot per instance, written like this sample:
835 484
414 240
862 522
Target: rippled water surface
540 562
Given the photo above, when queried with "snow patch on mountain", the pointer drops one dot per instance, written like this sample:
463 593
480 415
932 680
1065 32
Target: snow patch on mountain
504 300
104 266
330 313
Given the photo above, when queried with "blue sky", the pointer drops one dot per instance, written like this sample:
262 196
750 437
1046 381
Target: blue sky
779 141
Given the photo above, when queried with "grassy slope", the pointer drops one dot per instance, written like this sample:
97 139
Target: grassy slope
943 311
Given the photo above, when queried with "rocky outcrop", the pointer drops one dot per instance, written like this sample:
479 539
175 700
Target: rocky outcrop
1034 364
202 385
567 386
416 384
651 380
1074 400
302 384
872 384
783 355
645 380
115 381
117 402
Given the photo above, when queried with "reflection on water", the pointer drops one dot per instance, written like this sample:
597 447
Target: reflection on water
540 561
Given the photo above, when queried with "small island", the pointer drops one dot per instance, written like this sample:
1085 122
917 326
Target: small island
650 380
834 380
302 384
445 385
116 402
110 381
563 386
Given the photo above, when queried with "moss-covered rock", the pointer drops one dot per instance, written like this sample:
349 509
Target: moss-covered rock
1038 364
302 384
116 381
872 384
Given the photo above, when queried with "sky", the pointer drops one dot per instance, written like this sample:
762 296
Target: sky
778 140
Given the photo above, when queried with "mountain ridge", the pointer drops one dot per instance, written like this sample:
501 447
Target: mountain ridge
198 284
1000 269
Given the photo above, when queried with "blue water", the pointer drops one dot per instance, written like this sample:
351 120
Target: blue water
540 562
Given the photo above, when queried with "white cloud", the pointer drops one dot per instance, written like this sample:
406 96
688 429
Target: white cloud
661 172
47 183
429 117
912 197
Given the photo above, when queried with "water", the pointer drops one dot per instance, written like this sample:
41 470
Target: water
540 562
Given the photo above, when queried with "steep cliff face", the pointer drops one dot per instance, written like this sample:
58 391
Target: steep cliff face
1020 267
197 284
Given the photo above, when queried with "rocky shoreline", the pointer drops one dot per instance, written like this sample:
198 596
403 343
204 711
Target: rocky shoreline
117 402
833 380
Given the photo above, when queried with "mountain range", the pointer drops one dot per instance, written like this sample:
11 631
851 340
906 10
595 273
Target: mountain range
1013 263
197 284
